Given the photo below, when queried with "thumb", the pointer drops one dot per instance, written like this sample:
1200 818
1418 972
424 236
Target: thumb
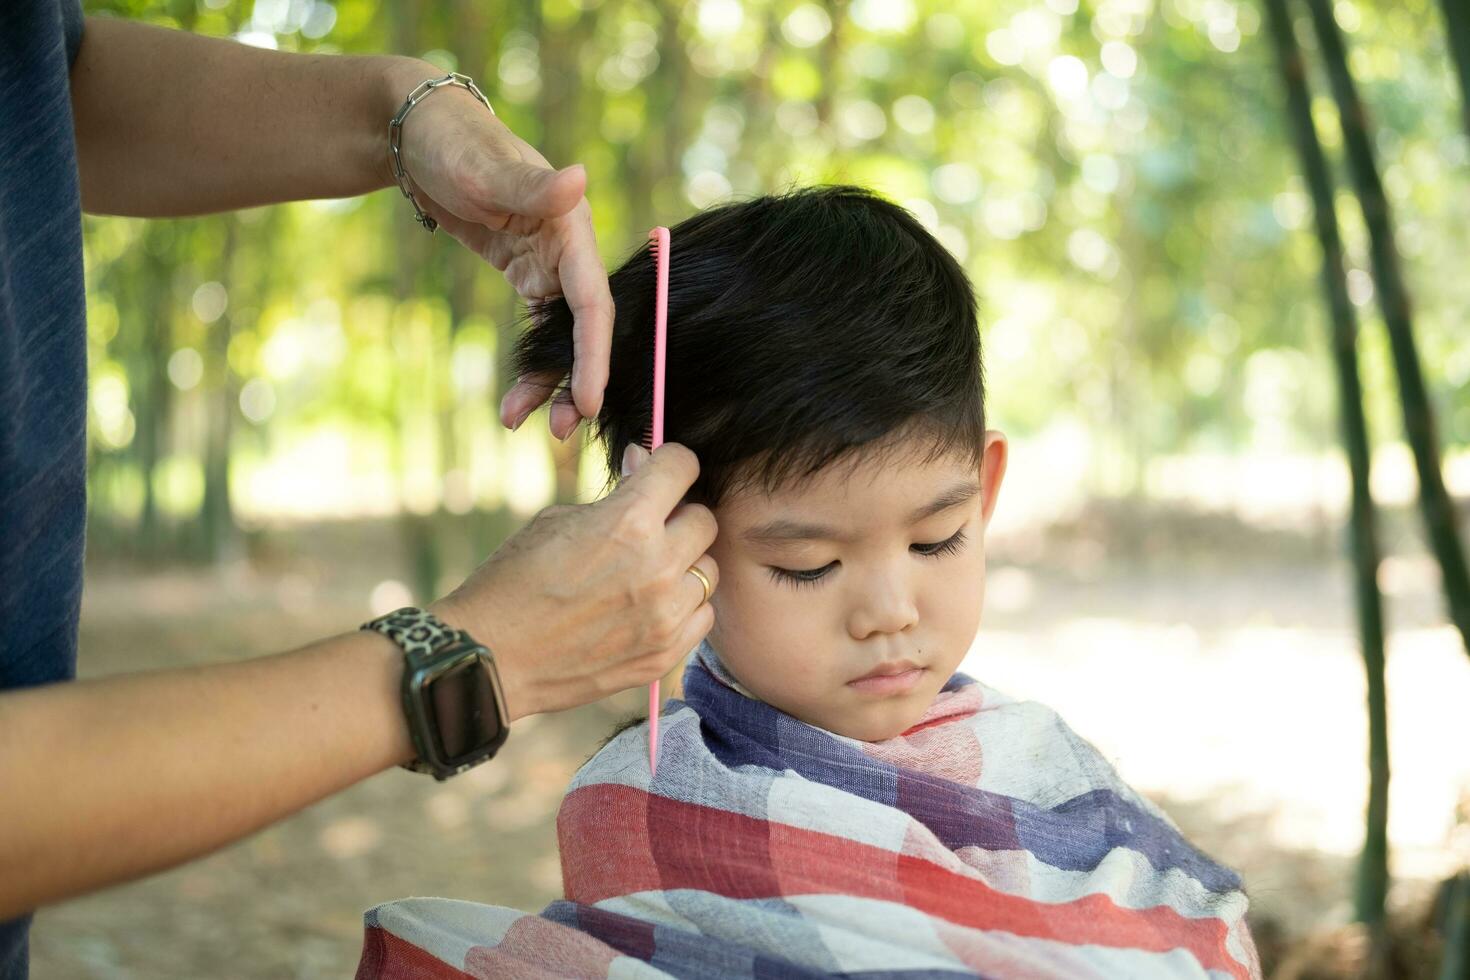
633 457
514 187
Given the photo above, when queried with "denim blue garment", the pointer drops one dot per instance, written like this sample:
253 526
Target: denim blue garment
43 363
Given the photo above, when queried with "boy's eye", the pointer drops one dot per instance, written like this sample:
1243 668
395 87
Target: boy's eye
811 576
946 547
806 576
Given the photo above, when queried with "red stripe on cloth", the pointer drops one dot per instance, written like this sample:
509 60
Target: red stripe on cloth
717 850
605 855
602 833
808 862
617 840
1094 919
389 957
535 949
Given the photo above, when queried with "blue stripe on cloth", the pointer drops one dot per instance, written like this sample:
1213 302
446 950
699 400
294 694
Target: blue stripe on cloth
697 956
1075 835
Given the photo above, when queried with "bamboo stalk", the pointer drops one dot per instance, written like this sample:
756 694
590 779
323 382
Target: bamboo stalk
1457 33
1372 883
1440 519
1455 925
216 512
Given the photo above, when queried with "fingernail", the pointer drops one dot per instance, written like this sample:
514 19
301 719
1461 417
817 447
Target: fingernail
630 458
505 407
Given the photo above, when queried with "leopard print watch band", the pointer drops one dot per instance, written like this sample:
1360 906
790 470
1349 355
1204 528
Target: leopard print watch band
418 631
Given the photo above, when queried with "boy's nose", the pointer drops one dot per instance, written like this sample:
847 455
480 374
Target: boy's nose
886 607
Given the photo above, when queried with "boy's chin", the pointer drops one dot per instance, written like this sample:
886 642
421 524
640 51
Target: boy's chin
872 725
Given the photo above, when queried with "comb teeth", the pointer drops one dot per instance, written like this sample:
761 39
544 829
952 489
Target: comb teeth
658 248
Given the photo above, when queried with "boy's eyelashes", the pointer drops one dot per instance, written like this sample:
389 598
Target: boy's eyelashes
811 576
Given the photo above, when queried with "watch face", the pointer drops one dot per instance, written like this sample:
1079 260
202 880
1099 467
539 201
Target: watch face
464 710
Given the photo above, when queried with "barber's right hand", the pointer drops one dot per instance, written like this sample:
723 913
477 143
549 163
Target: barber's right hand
591 599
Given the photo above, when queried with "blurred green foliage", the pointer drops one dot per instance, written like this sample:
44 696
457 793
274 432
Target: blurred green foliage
1116 176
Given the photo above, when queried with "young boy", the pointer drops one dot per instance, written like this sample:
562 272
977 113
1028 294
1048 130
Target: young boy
831 797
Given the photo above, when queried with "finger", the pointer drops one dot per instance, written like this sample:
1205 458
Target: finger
691 530
644 669
661 481
695 588
694 630
526 396
584 285
564 418
513 187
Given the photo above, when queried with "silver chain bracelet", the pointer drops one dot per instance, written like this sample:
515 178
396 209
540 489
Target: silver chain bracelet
395 134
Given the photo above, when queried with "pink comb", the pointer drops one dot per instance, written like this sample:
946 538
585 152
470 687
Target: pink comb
659 243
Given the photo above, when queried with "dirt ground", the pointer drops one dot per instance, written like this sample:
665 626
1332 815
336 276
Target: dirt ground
288 902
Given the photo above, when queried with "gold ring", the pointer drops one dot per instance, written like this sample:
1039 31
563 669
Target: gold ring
704 581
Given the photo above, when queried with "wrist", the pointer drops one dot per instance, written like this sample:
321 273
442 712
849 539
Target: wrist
514 684
380 658
396 77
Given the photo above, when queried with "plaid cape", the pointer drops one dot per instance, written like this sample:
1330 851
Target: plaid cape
988 839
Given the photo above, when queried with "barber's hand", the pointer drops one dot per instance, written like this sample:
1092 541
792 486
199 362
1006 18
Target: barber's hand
494 193
589 600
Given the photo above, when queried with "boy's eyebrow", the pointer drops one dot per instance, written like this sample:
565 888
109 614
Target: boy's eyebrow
777 531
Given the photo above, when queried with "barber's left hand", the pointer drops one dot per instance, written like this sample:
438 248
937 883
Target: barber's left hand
493 192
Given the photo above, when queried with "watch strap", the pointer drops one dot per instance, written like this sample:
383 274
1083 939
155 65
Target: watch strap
418 632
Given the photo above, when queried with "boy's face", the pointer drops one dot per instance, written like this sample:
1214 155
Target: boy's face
892 586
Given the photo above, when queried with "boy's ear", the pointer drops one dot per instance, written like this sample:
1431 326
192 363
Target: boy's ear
992 471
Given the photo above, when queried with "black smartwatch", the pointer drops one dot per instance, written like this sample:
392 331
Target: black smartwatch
452 696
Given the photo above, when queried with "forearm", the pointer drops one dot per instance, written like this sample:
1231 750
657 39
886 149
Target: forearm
108 780
170 123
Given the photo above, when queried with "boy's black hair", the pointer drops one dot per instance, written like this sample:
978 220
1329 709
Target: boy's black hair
801 326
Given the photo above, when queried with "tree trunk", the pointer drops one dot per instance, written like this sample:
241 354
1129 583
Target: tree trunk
419 543
1440 519
150 385
216 512
1457 34
1372 883
557 112
217 515
470 38
1455 926
830 64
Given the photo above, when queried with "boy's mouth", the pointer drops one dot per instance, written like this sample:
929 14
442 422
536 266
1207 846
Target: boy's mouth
896 677
890 668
